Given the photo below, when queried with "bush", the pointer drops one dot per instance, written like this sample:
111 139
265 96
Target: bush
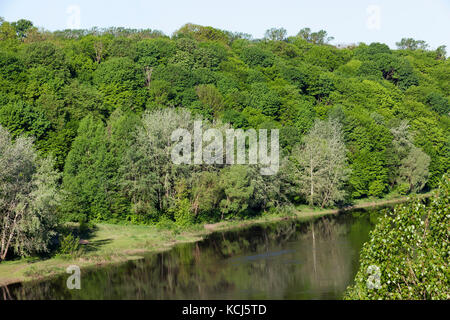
403 188
166 223
182 213
69 245
408 252
438 103
255 56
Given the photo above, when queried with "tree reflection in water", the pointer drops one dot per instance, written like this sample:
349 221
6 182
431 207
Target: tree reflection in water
283 260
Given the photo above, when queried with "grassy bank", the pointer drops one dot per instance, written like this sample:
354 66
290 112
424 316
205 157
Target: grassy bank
118 243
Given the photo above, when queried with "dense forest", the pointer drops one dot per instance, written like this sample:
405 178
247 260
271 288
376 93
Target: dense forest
85 116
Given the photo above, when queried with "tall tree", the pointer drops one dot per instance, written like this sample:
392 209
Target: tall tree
411 44
28 197
441 52
319 37
149 175
276 34
322 164
412 163
87 174
414 169
22 26
238 189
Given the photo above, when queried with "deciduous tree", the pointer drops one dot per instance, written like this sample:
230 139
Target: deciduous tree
322 164
28 197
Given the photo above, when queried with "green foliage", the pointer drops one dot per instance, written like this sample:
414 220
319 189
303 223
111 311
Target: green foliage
210 98
201 33
379 58
102 103
21 119
368 144
438 103
263 98
91 174
166 223
45 54
411 44
182 213
86 174
119 71
321 164
238 189
403 188
327 57
372 49
206 193
148 177
410 248
150 52
319 37
411 164
69 245
276 34
120 81
29 197
21 27
255 56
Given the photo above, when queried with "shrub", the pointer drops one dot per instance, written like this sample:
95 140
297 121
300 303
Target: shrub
408 252
182 213
403 188
69 245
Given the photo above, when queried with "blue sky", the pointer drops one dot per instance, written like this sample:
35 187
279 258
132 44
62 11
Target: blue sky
349 21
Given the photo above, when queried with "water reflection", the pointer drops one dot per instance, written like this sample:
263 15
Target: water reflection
284 260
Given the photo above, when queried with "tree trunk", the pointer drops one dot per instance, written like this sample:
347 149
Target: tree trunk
5 247
148 73
312 183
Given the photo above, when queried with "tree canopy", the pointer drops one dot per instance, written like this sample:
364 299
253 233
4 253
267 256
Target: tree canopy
102 102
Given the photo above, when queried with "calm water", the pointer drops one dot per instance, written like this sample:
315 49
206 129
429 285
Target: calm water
284 260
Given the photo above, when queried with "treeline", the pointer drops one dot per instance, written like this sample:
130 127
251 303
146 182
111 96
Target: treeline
354 122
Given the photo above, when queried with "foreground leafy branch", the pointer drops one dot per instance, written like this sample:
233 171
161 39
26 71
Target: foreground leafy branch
409 249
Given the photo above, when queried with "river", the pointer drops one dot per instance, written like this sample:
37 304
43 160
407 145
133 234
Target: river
283 260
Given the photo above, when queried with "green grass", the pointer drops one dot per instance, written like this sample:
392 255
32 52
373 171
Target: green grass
109 243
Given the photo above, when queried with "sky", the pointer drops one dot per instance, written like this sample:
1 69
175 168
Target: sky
348 21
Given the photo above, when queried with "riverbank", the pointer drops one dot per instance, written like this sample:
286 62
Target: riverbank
119 243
